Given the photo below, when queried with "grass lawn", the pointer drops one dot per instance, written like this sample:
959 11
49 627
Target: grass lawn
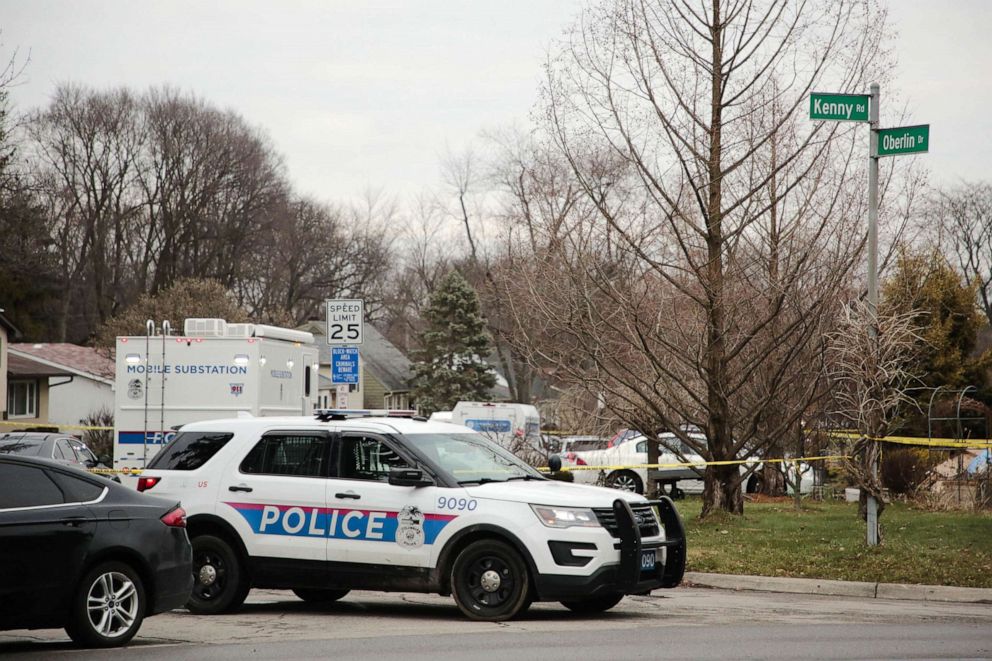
827 540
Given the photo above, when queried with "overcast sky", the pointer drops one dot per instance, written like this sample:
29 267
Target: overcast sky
360 94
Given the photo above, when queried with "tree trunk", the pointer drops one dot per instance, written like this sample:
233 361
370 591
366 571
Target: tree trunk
772 480
722 490
724 493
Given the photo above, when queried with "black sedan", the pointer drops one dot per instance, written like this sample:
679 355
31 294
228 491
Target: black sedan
61 448
86 554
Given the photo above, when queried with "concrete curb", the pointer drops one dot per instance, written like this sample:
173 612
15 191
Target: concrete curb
842 588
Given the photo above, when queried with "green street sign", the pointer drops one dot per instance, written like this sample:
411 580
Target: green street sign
839 107
904 140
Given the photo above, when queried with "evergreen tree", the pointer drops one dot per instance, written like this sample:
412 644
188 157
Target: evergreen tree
949 318
451 366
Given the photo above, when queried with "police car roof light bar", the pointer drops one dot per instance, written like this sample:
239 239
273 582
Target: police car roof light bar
326 415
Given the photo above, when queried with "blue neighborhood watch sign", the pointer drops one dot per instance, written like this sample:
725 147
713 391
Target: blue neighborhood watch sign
344 365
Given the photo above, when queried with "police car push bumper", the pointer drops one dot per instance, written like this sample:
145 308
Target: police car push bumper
642 567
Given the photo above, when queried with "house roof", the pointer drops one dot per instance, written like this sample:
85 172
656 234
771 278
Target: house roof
380 356
19 366
84 361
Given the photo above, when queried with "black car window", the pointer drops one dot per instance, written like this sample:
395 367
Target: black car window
303 455
367 458
85 454
77 489
27 486
189 450
27 448
68 453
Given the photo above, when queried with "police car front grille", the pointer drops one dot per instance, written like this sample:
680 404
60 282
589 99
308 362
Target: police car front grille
649 525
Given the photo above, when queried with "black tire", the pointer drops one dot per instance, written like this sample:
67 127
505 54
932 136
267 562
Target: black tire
317 596
108 606
220 582
625 481
489 581
593 605
754 484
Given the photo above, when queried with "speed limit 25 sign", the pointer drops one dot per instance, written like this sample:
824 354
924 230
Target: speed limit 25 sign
345 318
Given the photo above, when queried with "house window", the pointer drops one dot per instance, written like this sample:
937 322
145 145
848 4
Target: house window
22 399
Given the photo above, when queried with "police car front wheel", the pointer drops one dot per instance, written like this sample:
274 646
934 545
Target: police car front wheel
220 584
489 581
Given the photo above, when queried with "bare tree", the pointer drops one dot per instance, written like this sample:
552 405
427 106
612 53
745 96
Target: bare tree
964 216
730 216
85 150
315 252
873 363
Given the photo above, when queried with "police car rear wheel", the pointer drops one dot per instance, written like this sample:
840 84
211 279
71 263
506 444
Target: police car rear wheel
489 581
219 581
314 595
593 605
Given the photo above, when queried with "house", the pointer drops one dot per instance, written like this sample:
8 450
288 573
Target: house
7 332
73 383
385 372
27 390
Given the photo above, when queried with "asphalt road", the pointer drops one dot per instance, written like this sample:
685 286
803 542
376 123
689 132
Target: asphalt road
684 623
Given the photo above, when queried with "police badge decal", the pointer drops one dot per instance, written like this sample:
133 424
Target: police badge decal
134 389
410 531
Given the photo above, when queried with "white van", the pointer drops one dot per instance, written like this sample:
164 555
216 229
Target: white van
516 427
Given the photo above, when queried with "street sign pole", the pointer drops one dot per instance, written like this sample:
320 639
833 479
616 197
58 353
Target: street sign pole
873 274
826 106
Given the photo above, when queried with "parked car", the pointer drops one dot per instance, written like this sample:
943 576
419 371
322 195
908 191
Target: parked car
60 448
82 553
622 461
335 503
628 453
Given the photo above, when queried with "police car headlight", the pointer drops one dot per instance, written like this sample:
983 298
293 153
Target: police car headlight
566 517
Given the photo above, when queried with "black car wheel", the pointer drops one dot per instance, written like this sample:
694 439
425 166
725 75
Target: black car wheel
316 596
625 481
489 581
108 606
593 605
220 584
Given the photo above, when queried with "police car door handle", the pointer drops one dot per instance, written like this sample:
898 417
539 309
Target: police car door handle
347 494
239 487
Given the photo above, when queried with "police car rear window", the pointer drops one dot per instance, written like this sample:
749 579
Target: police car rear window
189 450
301 455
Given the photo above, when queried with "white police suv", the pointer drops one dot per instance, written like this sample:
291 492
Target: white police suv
330 504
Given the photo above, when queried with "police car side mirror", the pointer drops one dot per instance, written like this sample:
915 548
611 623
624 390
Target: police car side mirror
554 463
409 477
106 459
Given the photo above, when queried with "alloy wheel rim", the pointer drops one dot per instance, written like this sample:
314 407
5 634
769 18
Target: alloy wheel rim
112 604
624 483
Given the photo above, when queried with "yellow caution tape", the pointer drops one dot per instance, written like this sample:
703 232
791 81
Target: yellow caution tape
701 464
54 424
116 471
913 440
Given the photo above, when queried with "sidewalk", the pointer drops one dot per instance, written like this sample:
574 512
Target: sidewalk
841 588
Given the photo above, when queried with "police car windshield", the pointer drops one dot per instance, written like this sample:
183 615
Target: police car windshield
472 458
